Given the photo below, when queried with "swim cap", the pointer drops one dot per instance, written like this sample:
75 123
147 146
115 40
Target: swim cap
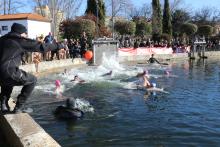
154 85
57 83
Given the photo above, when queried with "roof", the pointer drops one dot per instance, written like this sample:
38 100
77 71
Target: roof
21 16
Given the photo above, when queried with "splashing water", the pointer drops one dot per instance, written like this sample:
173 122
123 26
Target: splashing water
92 74
111 63
59 91
83 105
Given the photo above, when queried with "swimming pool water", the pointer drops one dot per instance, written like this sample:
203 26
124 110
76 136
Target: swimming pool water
188 116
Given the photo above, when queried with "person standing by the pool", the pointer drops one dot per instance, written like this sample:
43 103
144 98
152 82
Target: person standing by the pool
48 39
83 43
12 46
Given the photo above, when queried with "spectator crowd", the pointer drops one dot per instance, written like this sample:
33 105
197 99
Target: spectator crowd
72 48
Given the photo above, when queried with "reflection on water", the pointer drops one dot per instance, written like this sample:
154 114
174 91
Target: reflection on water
188 116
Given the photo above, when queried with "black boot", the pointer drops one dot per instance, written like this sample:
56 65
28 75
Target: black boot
4 105
20 108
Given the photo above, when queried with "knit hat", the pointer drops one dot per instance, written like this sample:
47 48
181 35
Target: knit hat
18 28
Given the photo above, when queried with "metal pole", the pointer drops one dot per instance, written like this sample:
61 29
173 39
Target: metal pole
113 36
4 7
97 15
53 17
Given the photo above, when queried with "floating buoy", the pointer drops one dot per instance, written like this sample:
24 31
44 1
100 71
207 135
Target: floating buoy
88 55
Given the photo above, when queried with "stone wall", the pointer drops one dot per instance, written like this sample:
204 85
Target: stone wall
48 65
176 56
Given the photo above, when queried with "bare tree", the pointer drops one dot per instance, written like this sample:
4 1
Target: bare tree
2 6
71 7
120 7
135 12
175 4
10 6
206 15
59 10
116 5
146 10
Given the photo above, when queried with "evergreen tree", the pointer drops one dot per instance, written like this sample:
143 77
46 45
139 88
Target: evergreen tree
92 9
102 13
156 18
179 17
167 26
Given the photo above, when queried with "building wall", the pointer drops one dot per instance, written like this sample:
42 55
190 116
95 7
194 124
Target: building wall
36 28
217 29
9 23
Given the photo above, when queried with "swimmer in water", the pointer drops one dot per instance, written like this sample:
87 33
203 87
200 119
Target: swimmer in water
69 111
65 72
107 74
77 79
146 82
167 73
144 79
144 73
58 90
153 60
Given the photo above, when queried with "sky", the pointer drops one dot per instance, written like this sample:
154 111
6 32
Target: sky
197 4
188 4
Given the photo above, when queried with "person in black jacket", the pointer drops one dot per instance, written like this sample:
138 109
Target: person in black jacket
12 47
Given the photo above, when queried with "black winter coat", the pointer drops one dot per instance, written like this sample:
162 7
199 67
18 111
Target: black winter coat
12 46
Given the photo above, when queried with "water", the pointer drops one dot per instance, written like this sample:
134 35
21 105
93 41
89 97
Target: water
188 116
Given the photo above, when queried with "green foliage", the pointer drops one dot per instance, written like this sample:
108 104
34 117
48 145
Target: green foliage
143 28
125 27
156 18
167 37
205 30
102 13
73 28
92 9
189 29
156 37
167 26
179 17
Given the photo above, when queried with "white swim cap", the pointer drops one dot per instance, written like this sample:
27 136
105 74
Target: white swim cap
154 84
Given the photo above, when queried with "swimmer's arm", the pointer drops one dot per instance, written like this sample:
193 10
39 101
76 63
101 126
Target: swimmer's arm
156 61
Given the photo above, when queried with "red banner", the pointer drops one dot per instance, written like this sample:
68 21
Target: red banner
144 51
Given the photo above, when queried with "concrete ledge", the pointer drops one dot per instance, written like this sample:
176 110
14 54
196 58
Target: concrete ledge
48 65
21 130
176 56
